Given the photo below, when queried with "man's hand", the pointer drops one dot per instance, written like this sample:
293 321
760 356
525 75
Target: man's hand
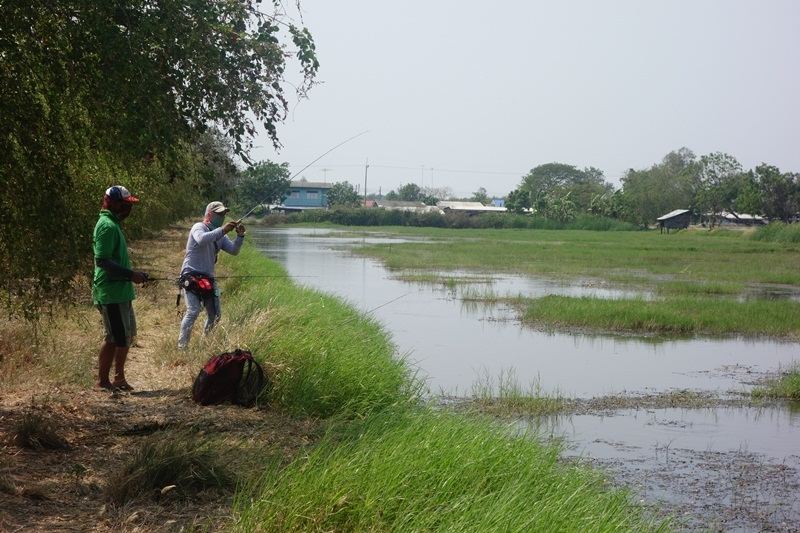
229 226
240 230
139 277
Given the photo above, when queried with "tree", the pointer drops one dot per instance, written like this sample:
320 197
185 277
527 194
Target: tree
718 173
101 92
556 180
481 196
343 194
518 201
780 193
664 187
263 183
410 192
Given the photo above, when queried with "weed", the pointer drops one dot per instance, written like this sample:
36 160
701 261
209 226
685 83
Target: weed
786 387
505 396
186 461
37 431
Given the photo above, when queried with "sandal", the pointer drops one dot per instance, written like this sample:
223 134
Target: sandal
122 386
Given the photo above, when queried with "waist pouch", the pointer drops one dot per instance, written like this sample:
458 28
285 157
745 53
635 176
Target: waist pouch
199 284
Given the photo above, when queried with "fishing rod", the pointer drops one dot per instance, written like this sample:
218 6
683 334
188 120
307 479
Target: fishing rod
301 170
176 278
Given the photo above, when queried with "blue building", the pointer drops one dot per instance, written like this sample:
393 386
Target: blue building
304 194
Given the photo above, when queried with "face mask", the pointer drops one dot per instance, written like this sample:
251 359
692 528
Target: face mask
216 221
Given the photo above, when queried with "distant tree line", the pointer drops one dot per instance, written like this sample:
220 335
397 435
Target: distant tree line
707 185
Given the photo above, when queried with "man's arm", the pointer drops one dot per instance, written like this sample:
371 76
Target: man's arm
118 272
202 237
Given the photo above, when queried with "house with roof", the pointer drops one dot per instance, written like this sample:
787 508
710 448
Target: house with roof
402 205
304 194
726 218
470 208
677 219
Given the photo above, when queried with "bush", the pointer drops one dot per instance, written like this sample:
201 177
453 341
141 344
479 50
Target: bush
384 217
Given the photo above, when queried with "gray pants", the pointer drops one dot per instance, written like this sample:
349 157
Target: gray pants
193 305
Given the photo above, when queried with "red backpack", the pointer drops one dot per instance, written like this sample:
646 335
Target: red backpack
232 376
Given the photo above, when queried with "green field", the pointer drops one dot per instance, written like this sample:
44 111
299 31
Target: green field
643 258
703 282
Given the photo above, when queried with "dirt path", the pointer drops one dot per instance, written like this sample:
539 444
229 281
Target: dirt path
66 490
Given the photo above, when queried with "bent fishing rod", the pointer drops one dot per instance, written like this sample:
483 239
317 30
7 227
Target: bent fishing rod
301 170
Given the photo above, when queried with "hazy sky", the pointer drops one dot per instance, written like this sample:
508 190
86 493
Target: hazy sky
492 89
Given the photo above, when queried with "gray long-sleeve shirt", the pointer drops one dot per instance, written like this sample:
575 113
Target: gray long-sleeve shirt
203 246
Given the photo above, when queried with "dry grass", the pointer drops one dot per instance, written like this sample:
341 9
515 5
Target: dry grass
38 431
46 490
163 466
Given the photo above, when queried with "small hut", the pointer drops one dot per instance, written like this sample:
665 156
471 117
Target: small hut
677 219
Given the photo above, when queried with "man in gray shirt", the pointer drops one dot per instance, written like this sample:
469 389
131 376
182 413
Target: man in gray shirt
206 239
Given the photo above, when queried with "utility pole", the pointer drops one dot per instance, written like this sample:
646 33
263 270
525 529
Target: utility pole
366 168
325 174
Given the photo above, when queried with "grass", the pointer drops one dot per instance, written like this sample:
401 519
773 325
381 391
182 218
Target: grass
37 431
642 258
778 232
186 462
325 357
434 278
676 315
786 387
505 396
420 470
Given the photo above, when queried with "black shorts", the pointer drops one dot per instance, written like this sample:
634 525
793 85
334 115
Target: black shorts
119 321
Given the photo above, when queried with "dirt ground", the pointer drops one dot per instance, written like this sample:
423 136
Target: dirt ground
65 490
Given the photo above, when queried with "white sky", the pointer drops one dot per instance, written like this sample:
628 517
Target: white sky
496 88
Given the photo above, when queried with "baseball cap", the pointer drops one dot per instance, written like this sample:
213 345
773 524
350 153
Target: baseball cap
118 193
216 207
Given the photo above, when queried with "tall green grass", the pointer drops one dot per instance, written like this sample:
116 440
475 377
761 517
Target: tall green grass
419 470
786 387
678 315
505 395
325 357
778 232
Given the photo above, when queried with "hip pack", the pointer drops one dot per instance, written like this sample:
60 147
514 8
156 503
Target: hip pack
199 284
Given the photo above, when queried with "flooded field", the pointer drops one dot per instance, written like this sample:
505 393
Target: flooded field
452 340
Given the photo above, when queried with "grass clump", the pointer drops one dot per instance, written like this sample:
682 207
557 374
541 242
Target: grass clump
778 232
786 387
679 315
326 357
185 461
506 396
421 470
37 431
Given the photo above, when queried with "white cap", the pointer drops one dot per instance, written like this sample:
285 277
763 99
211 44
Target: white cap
216 207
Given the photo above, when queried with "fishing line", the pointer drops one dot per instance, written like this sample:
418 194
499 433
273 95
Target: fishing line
302 169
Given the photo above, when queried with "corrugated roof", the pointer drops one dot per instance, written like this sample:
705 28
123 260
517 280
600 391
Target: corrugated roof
468 206
673 214
305 184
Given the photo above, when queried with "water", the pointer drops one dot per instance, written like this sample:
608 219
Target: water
727 468
452 342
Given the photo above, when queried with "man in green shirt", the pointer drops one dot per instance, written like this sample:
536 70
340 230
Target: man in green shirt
112 287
